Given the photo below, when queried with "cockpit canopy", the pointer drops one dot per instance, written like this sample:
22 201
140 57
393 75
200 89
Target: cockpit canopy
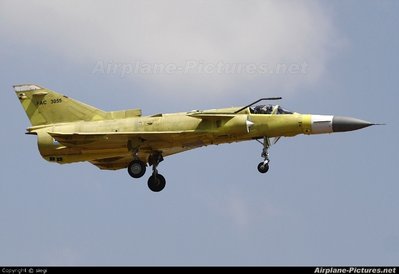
269 109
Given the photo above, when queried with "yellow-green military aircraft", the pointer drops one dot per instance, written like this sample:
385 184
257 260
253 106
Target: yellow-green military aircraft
70 131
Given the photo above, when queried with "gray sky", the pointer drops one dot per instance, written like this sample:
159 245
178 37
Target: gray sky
327 199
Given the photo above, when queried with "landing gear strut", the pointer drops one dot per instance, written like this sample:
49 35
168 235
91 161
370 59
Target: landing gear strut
263 167
156 182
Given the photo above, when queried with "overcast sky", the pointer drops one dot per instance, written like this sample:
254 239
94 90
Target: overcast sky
327 199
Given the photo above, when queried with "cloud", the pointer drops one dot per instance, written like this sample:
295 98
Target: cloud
209 47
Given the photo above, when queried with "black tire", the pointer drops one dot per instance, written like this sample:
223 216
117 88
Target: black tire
156 183
136 168
263 168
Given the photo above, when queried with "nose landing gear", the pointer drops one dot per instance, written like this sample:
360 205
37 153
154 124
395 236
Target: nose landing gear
263 167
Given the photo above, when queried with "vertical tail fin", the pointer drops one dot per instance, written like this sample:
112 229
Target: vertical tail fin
44 106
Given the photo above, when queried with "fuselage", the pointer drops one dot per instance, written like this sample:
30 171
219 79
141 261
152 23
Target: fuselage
212 131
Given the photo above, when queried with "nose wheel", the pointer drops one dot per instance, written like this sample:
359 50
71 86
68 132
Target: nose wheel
263 166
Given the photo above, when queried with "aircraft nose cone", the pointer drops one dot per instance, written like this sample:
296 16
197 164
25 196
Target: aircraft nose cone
341 124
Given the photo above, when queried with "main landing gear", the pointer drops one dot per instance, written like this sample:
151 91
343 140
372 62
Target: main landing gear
137 169
156 182
263 167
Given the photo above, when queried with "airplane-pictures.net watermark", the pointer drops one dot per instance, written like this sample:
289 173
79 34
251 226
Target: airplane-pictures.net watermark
355 270
198 67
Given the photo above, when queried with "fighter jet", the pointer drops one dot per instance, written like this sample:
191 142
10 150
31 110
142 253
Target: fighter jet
69 131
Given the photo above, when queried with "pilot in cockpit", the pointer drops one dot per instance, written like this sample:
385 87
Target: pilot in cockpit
263 109
268 109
